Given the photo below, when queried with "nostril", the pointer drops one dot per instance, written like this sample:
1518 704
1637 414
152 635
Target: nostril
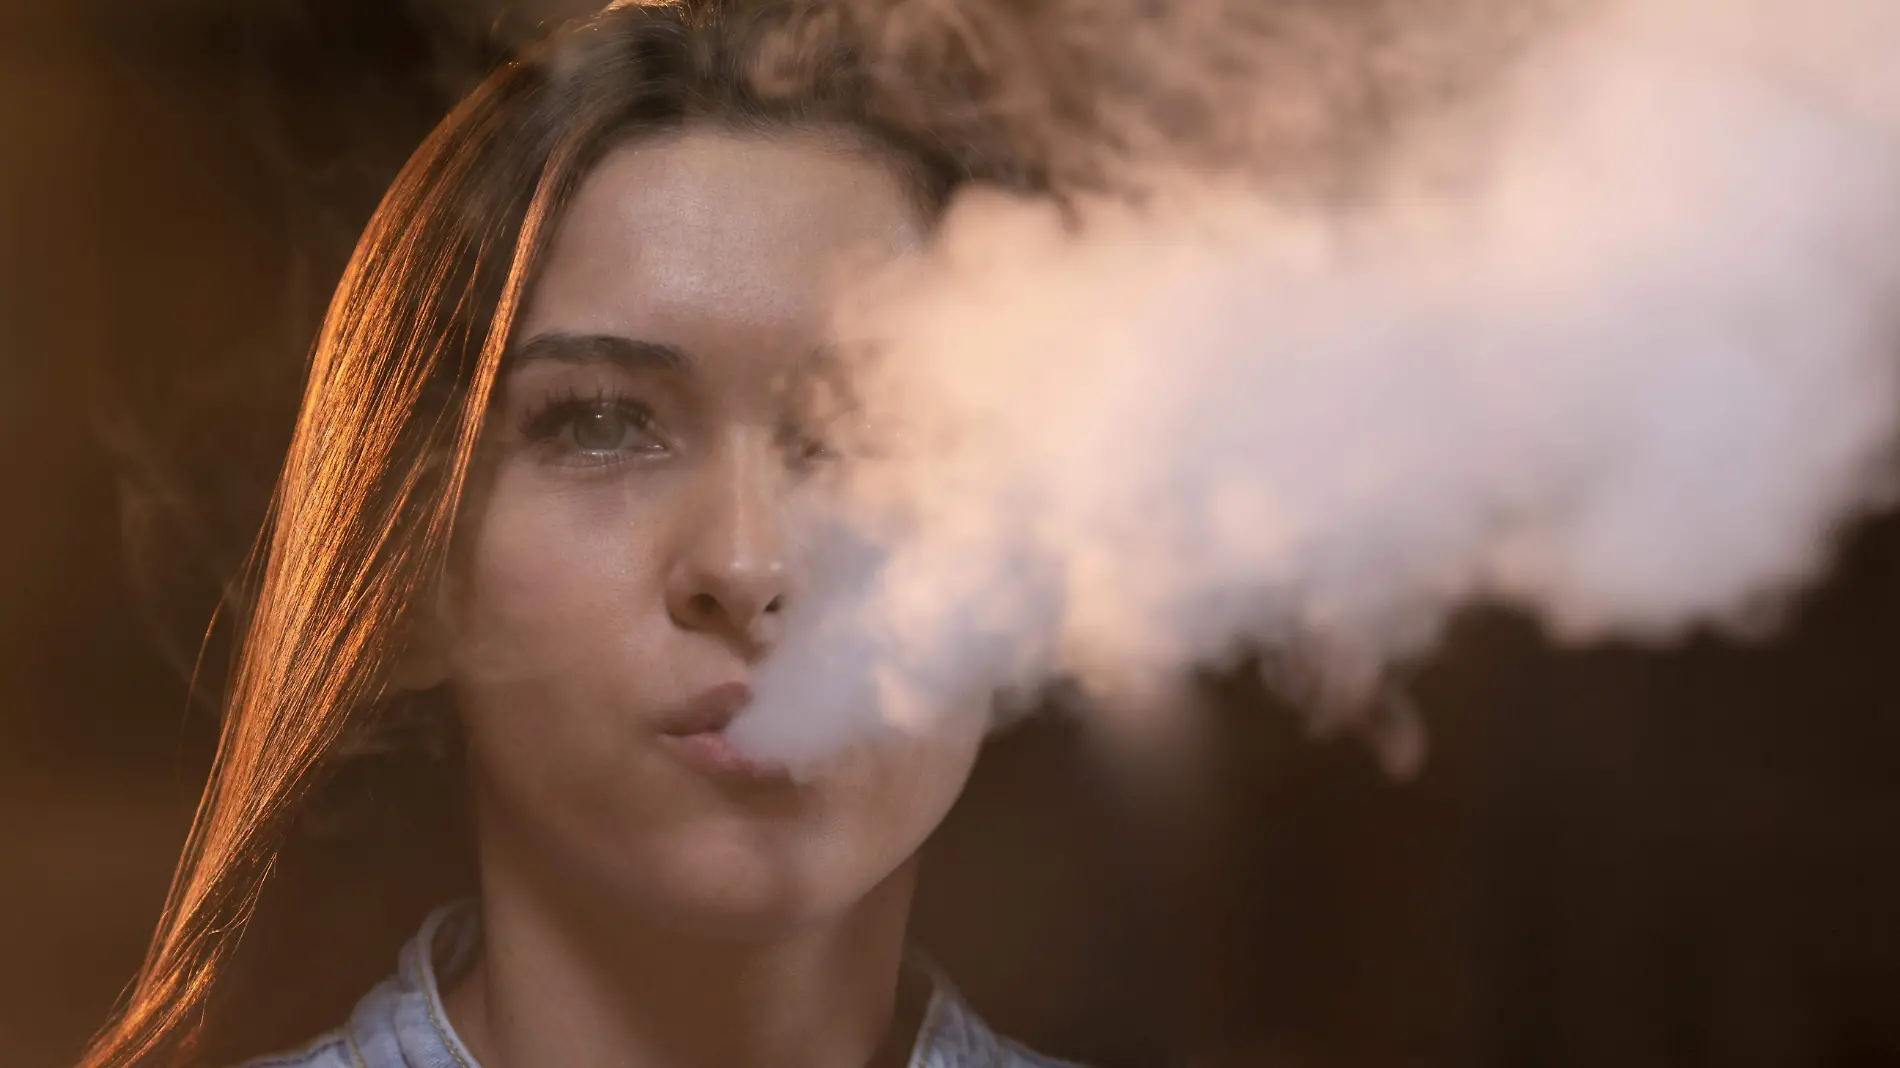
704 605
772 607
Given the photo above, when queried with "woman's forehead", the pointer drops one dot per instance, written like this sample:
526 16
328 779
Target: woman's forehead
721 243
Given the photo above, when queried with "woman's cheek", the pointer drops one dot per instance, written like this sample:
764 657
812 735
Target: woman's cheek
548 627
555 571
921 780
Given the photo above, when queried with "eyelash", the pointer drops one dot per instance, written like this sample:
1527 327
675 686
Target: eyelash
546 422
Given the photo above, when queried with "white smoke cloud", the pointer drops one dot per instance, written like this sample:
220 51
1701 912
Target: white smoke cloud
1616 344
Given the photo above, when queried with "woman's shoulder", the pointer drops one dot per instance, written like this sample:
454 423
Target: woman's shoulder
401 1023
333 1050
957 1039
373 1037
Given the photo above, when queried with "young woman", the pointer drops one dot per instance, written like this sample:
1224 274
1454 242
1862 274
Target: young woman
538 473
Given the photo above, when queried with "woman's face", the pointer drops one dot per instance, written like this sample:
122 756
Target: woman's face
621 564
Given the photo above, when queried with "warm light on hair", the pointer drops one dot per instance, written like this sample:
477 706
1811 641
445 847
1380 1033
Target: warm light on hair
399 384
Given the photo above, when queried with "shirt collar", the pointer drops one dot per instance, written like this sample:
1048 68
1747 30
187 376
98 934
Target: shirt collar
402 1024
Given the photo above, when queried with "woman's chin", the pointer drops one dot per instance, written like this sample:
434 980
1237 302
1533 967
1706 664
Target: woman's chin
741 884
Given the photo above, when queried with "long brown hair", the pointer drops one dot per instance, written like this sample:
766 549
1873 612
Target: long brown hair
399 382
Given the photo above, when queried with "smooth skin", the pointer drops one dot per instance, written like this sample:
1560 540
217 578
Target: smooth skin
622 550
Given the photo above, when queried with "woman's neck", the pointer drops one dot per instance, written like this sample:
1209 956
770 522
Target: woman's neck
555 988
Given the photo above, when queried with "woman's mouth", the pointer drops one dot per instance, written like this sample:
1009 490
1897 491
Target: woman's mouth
696 732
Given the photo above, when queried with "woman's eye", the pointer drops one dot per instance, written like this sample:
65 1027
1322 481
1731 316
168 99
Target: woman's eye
803 450
606 428
595 431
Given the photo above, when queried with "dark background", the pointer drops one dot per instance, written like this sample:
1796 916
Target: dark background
1614 858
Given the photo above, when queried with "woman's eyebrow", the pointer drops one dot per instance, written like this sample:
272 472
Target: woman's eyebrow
628 353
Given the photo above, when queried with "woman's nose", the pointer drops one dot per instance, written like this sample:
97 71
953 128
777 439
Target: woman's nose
729 573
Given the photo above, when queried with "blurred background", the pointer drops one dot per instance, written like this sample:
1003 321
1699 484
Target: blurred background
1613 857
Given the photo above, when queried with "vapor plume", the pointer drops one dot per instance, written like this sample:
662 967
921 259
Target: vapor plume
1600 319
